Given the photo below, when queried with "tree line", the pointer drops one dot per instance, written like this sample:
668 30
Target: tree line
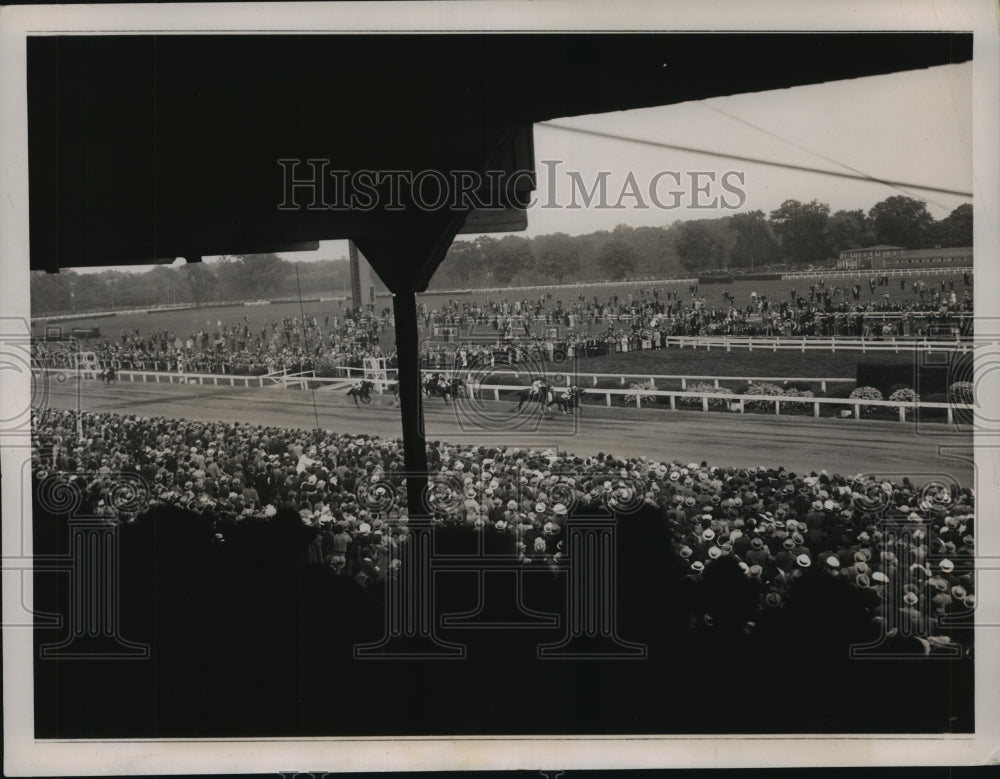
796 234
245 277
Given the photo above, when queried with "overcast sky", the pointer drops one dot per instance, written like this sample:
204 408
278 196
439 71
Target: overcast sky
911 127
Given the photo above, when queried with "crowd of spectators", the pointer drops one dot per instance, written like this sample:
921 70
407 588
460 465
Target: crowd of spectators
291 344
465 333
819 310
906 550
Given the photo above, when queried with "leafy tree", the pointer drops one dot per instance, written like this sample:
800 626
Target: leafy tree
618 258
170 285
801 231
229 272
264 274
50 292
954 230
510 258
754 244
848 230
202 283
90 292
555 256
656 254
461 266
697 247
901 221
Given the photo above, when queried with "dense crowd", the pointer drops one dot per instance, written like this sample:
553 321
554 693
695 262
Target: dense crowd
819 310
463 333
289 344
906 549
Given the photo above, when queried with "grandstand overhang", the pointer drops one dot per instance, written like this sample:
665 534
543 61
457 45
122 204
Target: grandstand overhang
159 146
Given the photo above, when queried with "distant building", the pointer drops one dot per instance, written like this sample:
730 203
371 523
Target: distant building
959 256
886 257
856 259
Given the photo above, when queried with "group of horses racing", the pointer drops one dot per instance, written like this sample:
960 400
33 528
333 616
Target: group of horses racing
436 385
540 393
545 395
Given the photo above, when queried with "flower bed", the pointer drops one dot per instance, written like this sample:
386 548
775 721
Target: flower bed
866 393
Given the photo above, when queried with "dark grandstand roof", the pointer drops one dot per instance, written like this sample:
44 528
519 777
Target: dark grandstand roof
145 148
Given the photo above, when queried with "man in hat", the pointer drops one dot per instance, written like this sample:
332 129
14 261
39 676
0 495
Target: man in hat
758 553
815 519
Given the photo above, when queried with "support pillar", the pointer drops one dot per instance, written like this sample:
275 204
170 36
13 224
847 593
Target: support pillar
410 632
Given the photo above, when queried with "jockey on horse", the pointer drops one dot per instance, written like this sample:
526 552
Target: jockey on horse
437 384
539 391
361 390
568 400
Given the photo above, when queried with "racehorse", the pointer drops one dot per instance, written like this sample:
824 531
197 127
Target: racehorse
457 388
438 385
568 401
109 375
362 392
541 394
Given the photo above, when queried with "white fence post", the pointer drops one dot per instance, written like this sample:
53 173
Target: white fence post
816 410
704 404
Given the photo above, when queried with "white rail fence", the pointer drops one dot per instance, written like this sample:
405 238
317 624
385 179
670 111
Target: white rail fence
734 402
571 377
812 344
867 273
738 403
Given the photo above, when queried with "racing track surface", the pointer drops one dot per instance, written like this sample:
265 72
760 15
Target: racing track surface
799 443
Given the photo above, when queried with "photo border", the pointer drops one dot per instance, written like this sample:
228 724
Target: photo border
25 755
